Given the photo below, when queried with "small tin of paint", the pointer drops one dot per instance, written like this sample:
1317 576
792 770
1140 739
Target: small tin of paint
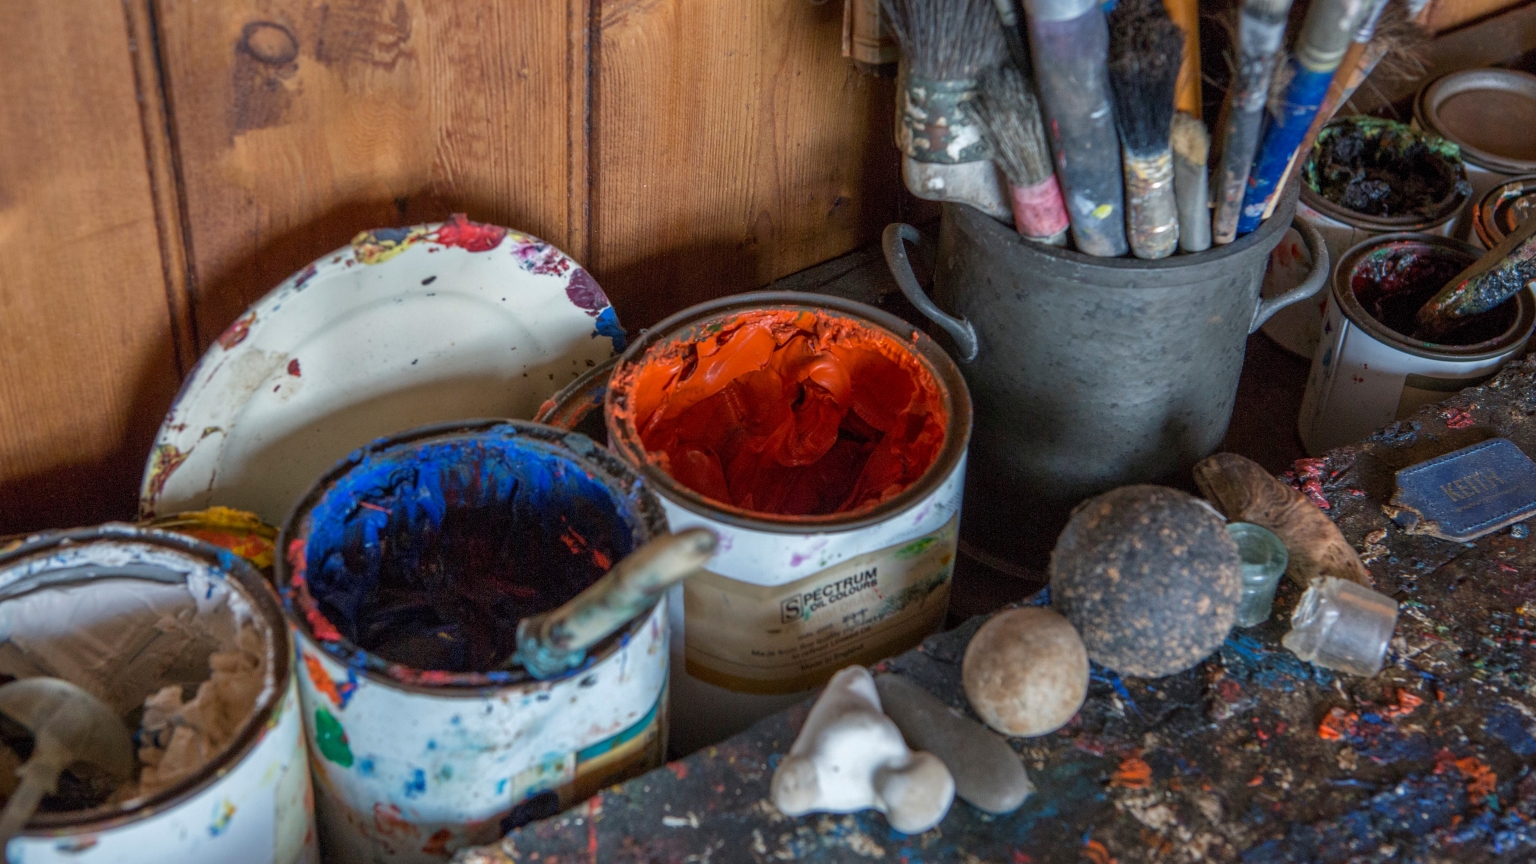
790 599
1503 209
419 750
1489 113
154 605
1365 374
1342 227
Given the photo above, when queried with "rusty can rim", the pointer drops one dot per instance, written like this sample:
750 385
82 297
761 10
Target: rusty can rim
956 397
651 521
1427 102
1486 211
1344 295
255 590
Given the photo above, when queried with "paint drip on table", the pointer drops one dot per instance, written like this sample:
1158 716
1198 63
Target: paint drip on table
788 412
1394 281
428 557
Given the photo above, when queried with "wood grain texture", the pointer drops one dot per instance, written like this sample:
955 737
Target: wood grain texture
732 144
300 122
85 330
1449 14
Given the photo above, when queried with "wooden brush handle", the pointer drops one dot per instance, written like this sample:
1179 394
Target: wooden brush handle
1186 14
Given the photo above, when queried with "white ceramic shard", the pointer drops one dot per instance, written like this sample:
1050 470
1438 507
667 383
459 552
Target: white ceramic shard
849 757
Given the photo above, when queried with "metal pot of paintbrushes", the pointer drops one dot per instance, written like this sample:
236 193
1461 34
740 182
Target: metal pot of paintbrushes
1088 373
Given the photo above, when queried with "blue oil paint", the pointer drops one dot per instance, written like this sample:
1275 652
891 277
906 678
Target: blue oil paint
429 554
417 785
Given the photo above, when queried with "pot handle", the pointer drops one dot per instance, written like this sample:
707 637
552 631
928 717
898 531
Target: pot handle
896 258
1309 286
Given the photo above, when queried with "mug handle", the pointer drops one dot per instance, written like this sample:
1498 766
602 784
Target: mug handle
1309 286
896 258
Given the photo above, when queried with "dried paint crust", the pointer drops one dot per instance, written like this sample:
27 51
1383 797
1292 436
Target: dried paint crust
1251 756
785 412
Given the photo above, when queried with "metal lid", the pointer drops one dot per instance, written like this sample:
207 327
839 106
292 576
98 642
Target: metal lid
1503 209
1489 112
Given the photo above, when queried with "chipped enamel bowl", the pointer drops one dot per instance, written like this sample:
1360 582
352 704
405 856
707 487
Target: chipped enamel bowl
403 328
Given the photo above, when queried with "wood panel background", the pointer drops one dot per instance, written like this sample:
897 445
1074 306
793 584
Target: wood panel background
163 163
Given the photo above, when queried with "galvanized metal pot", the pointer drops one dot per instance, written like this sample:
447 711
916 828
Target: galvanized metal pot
1088 373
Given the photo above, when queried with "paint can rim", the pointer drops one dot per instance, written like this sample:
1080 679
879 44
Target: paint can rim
1427 102
1446 208
254 590
1486 211
651 522
956 398
1344 296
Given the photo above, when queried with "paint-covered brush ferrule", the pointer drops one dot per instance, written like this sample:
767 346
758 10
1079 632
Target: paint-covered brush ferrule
937 124
1152 213
1038 212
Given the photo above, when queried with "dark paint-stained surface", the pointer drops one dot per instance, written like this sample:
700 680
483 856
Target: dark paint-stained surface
1252 756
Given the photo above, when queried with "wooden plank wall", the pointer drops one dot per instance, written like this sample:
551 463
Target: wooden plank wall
87 342
163 163
681 149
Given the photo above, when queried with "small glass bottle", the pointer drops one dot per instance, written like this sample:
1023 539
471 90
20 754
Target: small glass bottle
1342 626
1264 560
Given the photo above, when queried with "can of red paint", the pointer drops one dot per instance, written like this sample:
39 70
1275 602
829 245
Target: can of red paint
134 615
1365 373
402 571
810 576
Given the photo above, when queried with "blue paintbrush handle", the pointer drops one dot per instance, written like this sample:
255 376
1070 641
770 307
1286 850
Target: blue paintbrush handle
1281 138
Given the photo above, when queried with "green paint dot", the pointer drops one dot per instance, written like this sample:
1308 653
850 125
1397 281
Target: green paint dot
916 547
332 739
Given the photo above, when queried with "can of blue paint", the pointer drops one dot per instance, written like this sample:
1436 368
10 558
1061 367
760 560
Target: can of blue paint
803 584
404 572
143 620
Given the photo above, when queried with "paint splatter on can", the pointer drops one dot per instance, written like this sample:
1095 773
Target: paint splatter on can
824 442
404 572
141 619
1369 369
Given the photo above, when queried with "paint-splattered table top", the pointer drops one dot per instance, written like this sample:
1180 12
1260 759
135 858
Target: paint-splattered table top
1251 756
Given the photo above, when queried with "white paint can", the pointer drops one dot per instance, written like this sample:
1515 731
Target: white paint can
789 600
412 762
1366 374
124 611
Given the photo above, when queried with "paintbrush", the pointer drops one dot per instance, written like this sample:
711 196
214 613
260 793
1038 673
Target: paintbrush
1010 114
1018 49
1261 29
1325 33
1191 146
944 45
1145 47
1501 273
1186 14
555 642
1069 45
1390 31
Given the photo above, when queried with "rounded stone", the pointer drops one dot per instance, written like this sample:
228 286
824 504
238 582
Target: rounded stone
1025 672
1149 577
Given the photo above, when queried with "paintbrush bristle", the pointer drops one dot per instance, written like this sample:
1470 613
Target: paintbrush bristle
946 40
1145 51
1009 112
1190 139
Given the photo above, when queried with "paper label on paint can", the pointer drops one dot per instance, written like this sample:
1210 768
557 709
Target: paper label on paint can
792 637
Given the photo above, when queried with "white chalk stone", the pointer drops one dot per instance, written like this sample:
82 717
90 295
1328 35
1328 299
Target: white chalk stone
849 757
986 770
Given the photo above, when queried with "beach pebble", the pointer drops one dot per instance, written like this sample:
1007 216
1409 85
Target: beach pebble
987 772
1025 672
849 757
1149 577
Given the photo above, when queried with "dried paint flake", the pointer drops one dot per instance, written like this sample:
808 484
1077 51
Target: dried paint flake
235 333
1133 773
470 236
